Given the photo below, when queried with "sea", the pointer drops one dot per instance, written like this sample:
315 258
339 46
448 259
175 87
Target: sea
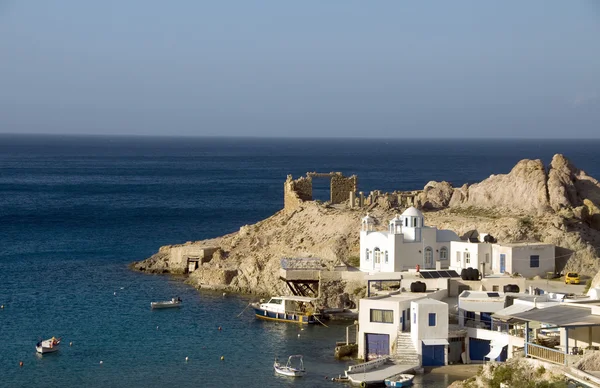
76 210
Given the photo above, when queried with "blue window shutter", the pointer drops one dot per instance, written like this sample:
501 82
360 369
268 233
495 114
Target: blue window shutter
414 317
431 319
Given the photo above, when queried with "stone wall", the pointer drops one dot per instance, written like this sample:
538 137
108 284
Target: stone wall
341 187
296 191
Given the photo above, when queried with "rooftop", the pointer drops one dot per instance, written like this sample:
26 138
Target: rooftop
563 315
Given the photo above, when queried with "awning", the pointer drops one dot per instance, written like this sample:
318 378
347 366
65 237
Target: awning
439 341
494 353
500 341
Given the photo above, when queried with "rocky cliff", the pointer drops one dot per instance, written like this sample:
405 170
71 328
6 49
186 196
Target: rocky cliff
557 205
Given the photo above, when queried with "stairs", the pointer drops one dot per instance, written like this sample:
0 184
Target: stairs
405 351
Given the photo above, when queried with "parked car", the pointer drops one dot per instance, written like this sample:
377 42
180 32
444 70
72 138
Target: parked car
572 278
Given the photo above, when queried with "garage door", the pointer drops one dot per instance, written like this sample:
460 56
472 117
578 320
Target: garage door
433 355
478 349
378 345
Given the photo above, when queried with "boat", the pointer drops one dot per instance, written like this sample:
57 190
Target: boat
298 309
399 380
174 302
293 368
48 346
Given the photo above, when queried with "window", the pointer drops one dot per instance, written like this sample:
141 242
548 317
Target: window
487 258
367 254
457 256
444 253
386 257
382 316
406 222
414 222
431 319
414 317
377 256
534 261
428 255
467 257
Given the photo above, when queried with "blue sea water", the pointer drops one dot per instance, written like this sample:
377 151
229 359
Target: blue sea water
74 211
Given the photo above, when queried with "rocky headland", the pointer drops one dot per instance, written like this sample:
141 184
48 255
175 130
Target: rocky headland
557 204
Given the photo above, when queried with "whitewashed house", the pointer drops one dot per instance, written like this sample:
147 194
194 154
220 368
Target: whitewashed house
386 321
406 244
429 332
526 259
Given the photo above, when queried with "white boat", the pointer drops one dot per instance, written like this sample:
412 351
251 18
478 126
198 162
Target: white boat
296 309
400 380
48 346
293 368
174 302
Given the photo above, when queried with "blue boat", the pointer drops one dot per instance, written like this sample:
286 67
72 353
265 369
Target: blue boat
399 380
296 309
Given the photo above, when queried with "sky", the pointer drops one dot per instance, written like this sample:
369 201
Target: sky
323 68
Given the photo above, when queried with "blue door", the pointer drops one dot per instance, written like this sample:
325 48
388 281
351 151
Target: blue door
502 263
378 345
478 349
433 355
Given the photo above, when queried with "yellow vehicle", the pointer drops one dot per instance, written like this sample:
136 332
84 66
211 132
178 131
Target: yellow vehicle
572 278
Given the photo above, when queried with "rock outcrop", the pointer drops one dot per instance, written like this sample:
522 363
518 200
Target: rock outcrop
561 207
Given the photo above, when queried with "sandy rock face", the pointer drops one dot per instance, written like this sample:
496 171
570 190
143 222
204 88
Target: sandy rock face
523 189
436 195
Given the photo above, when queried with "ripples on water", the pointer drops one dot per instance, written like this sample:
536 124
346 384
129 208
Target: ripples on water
74 211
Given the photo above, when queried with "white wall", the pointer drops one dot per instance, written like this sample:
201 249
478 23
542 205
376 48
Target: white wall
521 260
477 253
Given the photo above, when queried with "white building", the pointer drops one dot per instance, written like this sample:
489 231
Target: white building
406 244
526 259
429 332
383 320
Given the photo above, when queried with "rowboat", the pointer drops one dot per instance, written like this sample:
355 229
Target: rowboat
399 380
297 309
48 346
174 302
289 369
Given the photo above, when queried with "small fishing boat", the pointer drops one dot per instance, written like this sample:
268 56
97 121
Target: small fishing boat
400 380
48 346
174 302
293 368
298 309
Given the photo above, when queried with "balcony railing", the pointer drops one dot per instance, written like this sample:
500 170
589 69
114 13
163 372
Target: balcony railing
547 354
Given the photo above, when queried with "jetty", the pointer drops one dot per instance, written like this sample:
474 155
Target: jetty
376 371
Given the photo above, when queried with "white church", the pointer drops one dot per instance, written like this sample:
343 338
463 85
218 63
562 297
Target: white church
406 244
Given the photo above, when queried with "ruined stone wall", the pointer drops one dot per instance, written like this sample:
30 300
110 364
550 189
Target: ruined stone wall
296 191
342 186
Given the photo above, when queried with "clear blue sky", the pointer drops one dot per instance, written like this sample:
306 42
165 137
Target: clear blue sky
303 68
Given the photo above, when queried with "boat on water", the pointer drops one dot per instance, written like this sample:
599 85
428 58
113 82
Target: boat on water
293 368
48 346
174 302
399 380
298 309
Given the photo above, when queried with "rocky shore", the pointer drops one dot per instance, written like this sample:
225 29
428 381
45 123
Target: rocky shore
557 204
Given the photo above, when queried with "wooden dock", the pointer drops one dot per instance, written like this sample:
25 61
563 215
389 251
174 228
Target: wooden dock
378 375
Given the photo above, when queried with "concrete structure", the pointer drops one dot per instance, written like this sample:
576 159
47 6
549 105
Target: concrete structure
429 331
382 319
406 244
526 259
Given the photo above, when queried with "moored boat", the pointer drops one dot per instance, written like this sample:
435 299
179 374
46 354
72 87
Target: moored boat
48 346
293 368
399 380
174 302
298 309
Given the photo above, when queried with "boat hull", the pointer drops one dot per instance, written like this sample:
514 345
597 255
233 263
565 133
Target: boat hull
400 381
284 317
164 305
288 371
44 350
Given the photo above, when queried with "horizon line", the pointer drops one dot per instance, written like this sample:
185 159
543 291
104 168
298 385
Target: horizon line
247 137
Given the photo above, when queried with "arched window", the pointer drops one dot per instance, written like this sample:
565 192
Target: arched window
367 254
444 253
429 256
377 256
415 221
386 257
